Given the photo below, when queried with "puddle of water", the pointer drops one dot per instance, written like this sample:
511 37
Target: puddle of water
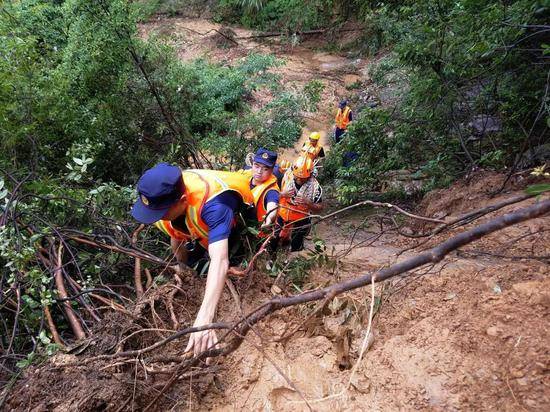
339 65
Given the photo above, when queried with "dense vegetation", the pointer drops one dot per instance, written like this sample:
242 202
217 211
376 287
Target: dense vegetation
86 105
468 85
463 84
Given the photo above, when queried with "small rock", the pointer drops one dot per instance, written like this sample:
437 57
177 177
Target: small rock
531 403
522 382
361 384
450 296
493 331
276 290
517 373
526 288
543 299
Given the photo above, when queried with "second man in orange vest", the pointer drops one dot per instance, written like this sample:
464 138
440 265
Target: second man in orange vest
301 194
312 148
264 186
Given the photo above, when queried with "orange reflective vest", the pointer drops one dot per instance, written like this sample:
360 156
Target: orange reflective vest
290 211
311 151
259 192
342 118
200 187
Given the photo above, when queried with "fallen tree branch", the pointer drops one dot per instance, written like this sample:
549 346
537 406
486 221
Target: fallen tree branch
137 264
52 327
179 334
119 249
230 38
376 204
60 285
240 328
464 219
299 33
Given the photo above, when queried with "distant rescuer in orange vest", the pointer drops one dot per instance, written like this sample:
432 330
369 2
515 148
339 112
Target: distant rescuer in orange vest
312 148
343 119
197 209
301 194
264 186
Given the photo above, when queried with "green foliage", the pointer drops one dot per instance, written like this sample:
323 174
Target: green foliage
85 106
538 189
454 67
312 91
377 153
286 15
297 270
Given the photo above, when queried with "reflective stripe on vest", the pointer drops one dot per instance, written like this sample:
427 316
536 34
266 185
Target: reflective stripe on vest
288 211
342 118
200 187
259 192
311 151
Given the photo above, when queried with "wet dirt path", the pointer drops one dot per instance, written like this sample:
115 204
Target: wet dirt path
195 38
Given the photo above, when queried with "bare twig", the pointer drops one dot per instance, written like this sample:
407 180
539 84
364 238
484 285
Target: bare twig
71 316
137 265
52 327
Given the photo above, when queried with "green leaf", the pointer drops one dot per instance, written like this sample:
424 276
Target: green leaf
538 188
44 338
78 161
253 230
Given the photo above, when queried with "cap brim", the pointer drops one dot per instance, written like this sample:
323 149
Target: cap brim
143 214
264 162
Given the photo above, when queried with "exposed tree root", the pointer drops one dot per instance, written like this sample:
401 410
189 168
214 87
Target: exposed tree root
240 328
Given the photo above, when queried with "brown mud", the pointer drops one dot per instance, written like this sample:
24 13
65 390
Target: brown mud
470 333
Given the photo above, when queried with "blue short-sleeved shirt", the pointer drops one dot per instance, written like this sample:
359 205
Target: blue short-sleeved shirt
272 195
218 214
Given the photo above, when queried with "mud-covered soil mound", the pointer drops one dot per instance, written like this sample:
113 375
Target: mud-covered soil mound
469 333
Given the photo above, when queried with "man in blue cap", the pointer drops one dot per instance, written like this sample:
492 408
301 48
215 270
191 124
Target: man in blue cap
197 209
263 185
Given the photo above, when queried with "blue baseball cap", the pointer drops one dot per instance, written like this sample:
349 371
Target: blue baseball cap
265 157
343 104
158 189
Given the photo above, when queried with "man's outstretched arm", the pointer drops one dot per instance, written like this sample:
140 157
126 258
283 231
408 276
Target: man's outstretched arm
217 272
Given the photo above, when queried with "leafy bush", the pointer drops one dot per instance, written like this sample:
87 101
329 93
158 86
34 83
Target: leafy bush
286 15
463 88
86 106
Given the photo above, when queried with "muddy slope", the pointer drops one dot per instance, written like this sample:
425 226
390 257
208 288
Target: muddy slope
470 333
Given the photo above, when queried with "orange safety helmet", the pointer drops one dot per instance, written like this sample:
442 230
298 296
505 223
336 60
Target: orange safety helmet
302 167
